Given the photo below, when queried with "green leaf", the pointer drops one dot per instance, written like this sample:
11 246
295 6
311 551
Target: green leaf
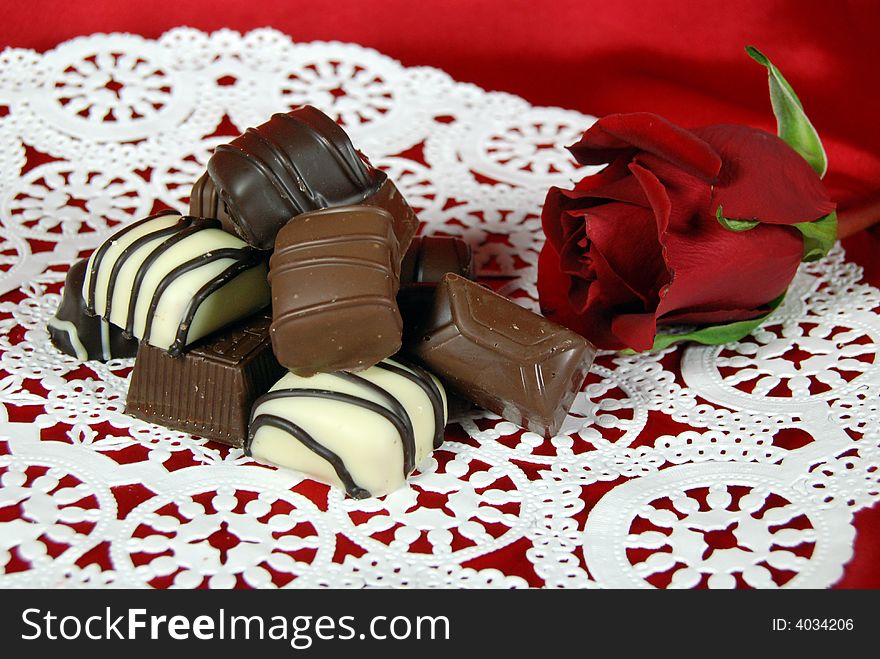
819 236
736 226
791 121
715 334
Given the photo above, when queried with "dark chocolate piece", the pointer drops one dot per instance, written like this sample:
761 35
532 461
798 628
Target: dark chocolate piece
77 333
389 198
426 261
294 163
415 303
334 282
210 389
366 432
430 257
501 356
205 202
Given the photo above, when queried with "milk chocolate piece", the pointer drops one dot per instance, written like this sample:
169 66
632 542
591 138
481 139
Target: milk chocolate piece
333 290
364 432
79 334
294 163
170 280
210 389
503 357
205 202
430 257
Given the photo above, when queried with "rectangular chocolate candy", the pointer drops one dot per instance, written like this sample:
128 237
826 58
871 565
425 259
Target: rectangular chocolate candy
169 280
334 281
210 389
204 201
365 432
501 356
294 163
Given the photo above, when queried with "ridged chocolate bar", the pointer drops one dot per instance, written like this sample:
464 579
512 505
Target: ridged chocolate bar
334 282
205 202
210 389
294 163
501 356
79 334
365 432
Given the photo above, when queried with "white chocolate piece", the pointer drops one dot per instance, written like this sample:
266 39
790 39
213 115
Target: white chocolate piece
170 280
373 428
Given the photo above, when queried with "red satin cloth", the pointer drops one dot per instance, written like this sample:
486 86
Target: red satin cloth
683 59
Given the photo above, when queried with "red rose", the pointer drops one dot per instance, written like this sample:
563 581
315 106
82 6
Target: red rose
639 244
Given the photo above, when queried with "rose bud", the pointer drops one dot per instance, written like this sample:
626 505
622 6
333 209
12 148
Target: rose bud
702 227
640 244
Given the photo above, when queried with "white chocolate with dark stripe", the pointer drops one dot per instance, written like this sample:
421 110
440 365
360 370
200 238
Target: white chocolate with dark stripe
362 421
170 280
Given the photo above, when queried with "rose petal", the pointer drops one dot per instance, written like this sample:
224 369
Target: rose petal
572 251
626 236
704 317
597 303
716 269
613 183
614 172
616 135
656 195
550 217
635 331
625 189
689 195
609 298
552 284
763 178
554 288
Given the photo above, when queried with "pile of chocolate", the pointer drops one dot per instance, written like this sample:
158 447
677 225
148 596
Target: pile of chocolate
346 378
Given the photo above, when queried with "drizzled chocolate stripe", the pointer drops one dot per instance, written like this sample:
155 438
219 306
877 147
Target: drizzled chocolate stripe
102 252
355 238
237 253
409 438
401 424
131 249
348 159
302 193
334 261
196 224
422 378
376 301
352 488
285 193
248 260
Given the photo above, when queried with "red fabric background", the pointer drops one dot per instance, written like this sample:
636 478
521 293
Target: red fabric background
683 59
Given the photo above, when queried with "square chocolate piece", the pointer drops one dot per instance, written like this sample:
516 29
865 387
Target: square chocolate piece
208 390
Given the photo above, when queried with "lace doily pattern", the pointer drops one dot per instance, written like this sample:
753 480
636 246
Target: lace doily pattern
730 466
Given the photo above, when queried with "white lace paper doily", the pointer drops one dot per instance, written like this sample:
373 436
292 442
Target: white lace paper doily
774 444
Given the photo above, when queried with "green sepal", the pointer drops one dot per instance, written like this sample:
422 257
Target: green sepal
792 123
737 226
714 334
819 236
